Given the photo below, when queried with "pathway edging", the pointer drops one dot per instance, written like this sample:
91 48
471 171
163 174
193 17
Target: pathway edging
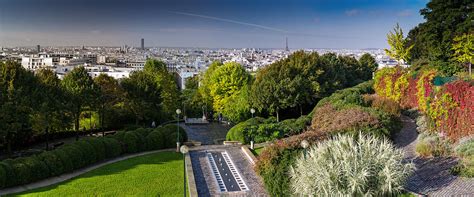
67 176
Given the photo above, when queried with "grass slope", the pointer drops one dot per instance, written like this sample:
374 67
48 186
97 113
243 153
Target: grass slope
158 174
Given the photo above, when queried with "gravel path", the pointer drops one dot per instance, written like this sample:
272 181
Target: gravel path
432 176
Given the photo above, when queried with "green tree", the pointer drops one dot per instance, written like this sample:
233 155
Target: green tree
166 82
205 84
16 90
464 50
227 81
143 97
368 65
111 93
398 45
49 112
433 39
80 91
192 83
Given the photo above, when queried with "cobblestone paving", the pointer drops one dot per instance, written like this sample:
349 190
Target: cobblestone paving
432 176
205 182
207 134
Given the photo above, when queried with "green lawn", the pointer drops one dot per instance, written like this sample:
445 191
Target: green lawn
159 174
257 151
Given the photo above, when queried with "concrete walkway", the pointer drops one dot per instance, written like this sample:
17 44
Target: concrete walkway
65 177
432 176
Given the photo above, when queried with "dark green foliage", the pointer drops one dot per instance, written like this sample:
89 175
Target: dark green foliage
170 132
53 162
3 177
433 38
131 141
275 177
112 147
88 151
63 156
8 175
21 173
348 96
99 147
263 130
75 155
156 140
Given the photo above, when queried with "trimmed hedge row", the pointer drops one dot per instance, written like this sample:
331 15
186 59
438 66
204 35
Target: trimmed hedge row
85 152
262 130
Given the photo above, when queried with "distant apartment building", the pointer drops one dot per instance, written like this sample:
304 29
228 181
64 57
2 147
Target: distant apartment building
33 63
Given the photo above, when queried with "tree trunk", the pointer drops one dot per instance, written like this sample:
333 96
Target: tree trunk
278 116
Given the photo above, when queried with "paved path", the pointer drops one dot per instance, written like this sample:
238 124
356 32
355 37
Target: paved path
205 181
432 176
65 177
207 134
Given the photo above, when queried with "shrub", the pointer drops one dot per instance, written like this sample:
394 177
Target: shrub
328 119
22 174
431 145
155 140
75 155
9 178
99 147
3 177
169 131
66 161
274 161
53 162
345 166
131 141
112 147
465 150
88 152
37 168
384 104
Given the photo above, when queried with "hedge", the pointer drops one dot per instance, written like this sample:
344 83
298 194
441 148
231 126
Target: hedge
85 152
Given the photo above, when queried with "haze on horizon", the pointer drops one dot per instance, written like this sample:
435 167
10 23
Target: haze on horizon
206 23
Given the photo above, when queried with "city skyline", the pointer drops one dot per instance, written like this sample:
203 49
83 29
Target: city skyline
205 24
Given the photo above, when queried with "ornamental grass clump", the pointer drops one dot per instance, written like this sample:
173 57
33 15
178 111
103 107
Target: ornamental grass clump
350 166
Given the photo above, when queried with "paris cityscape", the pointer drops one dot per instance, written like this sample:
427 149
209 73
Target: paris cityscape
236 98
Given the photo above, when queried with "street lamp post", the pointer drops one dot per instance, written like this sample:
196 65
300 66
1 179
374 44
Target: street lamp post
178 111
252 111
184 149
305 145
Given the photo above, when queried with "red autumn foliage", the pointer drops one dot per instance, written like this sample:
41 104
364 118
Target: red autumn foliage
460 122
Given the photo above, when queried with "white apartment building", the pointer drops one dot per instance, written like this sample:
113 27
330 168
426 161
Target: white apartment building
33 63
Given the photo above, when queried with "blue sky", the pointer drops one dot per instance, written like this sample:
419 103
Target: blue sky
206 23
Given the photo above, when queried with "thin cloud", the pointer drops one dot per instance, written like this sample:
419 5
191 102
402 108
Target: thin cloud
232 21
352 12
406 12
289 33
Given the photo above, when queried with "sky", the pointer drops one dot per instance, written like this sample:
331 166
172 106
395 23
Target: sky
352 24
